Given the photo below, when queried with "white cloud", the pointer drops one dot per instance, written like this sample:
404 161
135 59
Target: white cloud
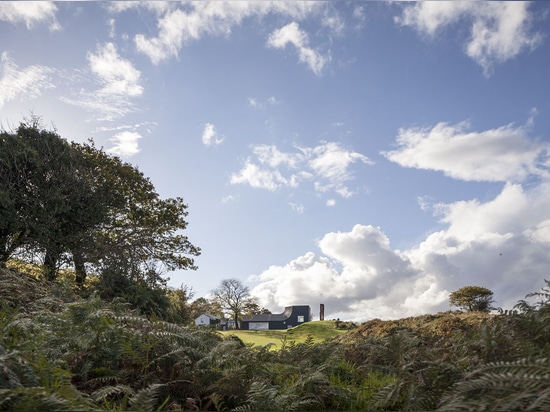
210 137
119 82
501 154
259 178
30 13
373 278
326 165
254 103
26 83
292 34
331 202
228 198
273 100
118 76
126 143
499 30
330 163
179 26
257 104
501 244
297 207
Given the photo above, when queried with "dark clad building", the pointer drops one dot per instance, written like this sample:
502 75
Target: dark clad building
292 316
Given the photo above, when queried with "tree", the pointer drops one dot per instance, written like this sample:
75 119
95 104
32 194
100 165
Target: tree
202 306
232 296
143 233
48 204
472 298
251 307
75 204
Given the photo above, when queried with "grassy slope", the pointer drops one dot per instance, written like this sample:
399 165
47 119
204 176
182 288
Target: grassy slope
319 330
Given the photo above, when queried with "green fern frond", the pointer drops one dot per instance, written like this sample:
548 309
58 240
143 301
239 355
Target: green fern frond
517 385
146 399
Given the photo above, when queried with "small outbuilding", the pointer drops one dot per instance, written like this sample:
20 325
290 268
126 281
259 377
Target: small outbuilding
292 316
206 320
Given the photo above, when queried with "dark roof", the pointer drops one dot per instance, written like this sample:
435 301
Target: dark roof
267 317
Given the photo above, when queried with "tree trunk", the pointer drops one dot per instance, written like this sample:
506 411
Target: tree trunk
79 268
50 265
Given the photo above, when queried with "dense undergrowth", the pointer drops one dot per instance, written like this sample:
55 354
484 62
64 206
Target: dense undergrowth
59 351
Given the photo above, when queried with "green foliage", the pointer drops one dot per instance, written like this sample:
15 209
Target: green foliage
73 205
59 351
472 298
515 386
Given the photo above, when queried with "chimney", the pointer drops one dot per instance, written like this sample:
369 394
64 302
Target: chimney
322 312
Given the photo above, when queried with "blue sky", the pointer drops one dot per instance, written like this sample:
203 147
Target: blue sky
370 156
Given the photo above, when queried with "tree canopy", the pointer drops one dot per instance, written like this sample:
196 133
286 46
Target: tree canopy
232 297
74 204
472 298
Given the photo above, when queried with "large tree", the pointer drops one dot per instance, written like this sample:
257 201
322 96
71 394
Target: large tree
472 298
142 234
47 202
232 296
75 203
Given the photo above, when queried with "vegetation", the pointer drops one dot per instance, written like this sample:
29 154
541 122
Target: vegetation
62 351
73 205
87 322
472 298
233 297
318 331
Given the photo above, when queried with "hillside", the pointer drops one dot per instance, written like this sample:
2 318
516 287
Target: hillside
317 331
61 351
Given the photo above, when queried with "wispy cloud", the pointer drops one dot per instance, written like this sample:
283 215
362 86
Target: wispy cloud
210 137
297 207
501 154
119 82
327 166
292 34
499 30
258 104
30 12
178 26
22 83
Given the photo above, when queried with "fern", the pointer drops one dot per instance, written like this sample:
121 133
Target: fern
516 385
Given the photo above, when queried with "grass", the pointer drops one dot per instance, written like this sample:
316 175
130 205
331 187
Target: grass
319 330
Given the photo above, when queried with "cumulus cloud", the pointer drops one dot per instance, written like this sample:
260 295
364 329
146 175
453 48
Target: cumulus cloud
499 31
327 166
501 154
500 244
125 143
210 137
178 26
30 13
119 82
292 34
22 83
357 277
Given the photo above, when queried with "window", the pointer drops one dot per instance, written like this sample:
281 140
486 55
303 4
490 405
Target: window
300 319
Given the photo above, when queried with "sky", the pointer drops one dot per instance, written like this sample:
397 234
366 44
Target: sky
370 156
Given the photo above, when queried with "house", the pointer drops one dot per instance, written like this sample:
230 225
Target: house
292 316
206 320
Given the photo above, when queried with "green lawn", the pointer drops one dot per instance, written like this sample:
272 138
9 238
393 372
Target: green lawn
320 330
